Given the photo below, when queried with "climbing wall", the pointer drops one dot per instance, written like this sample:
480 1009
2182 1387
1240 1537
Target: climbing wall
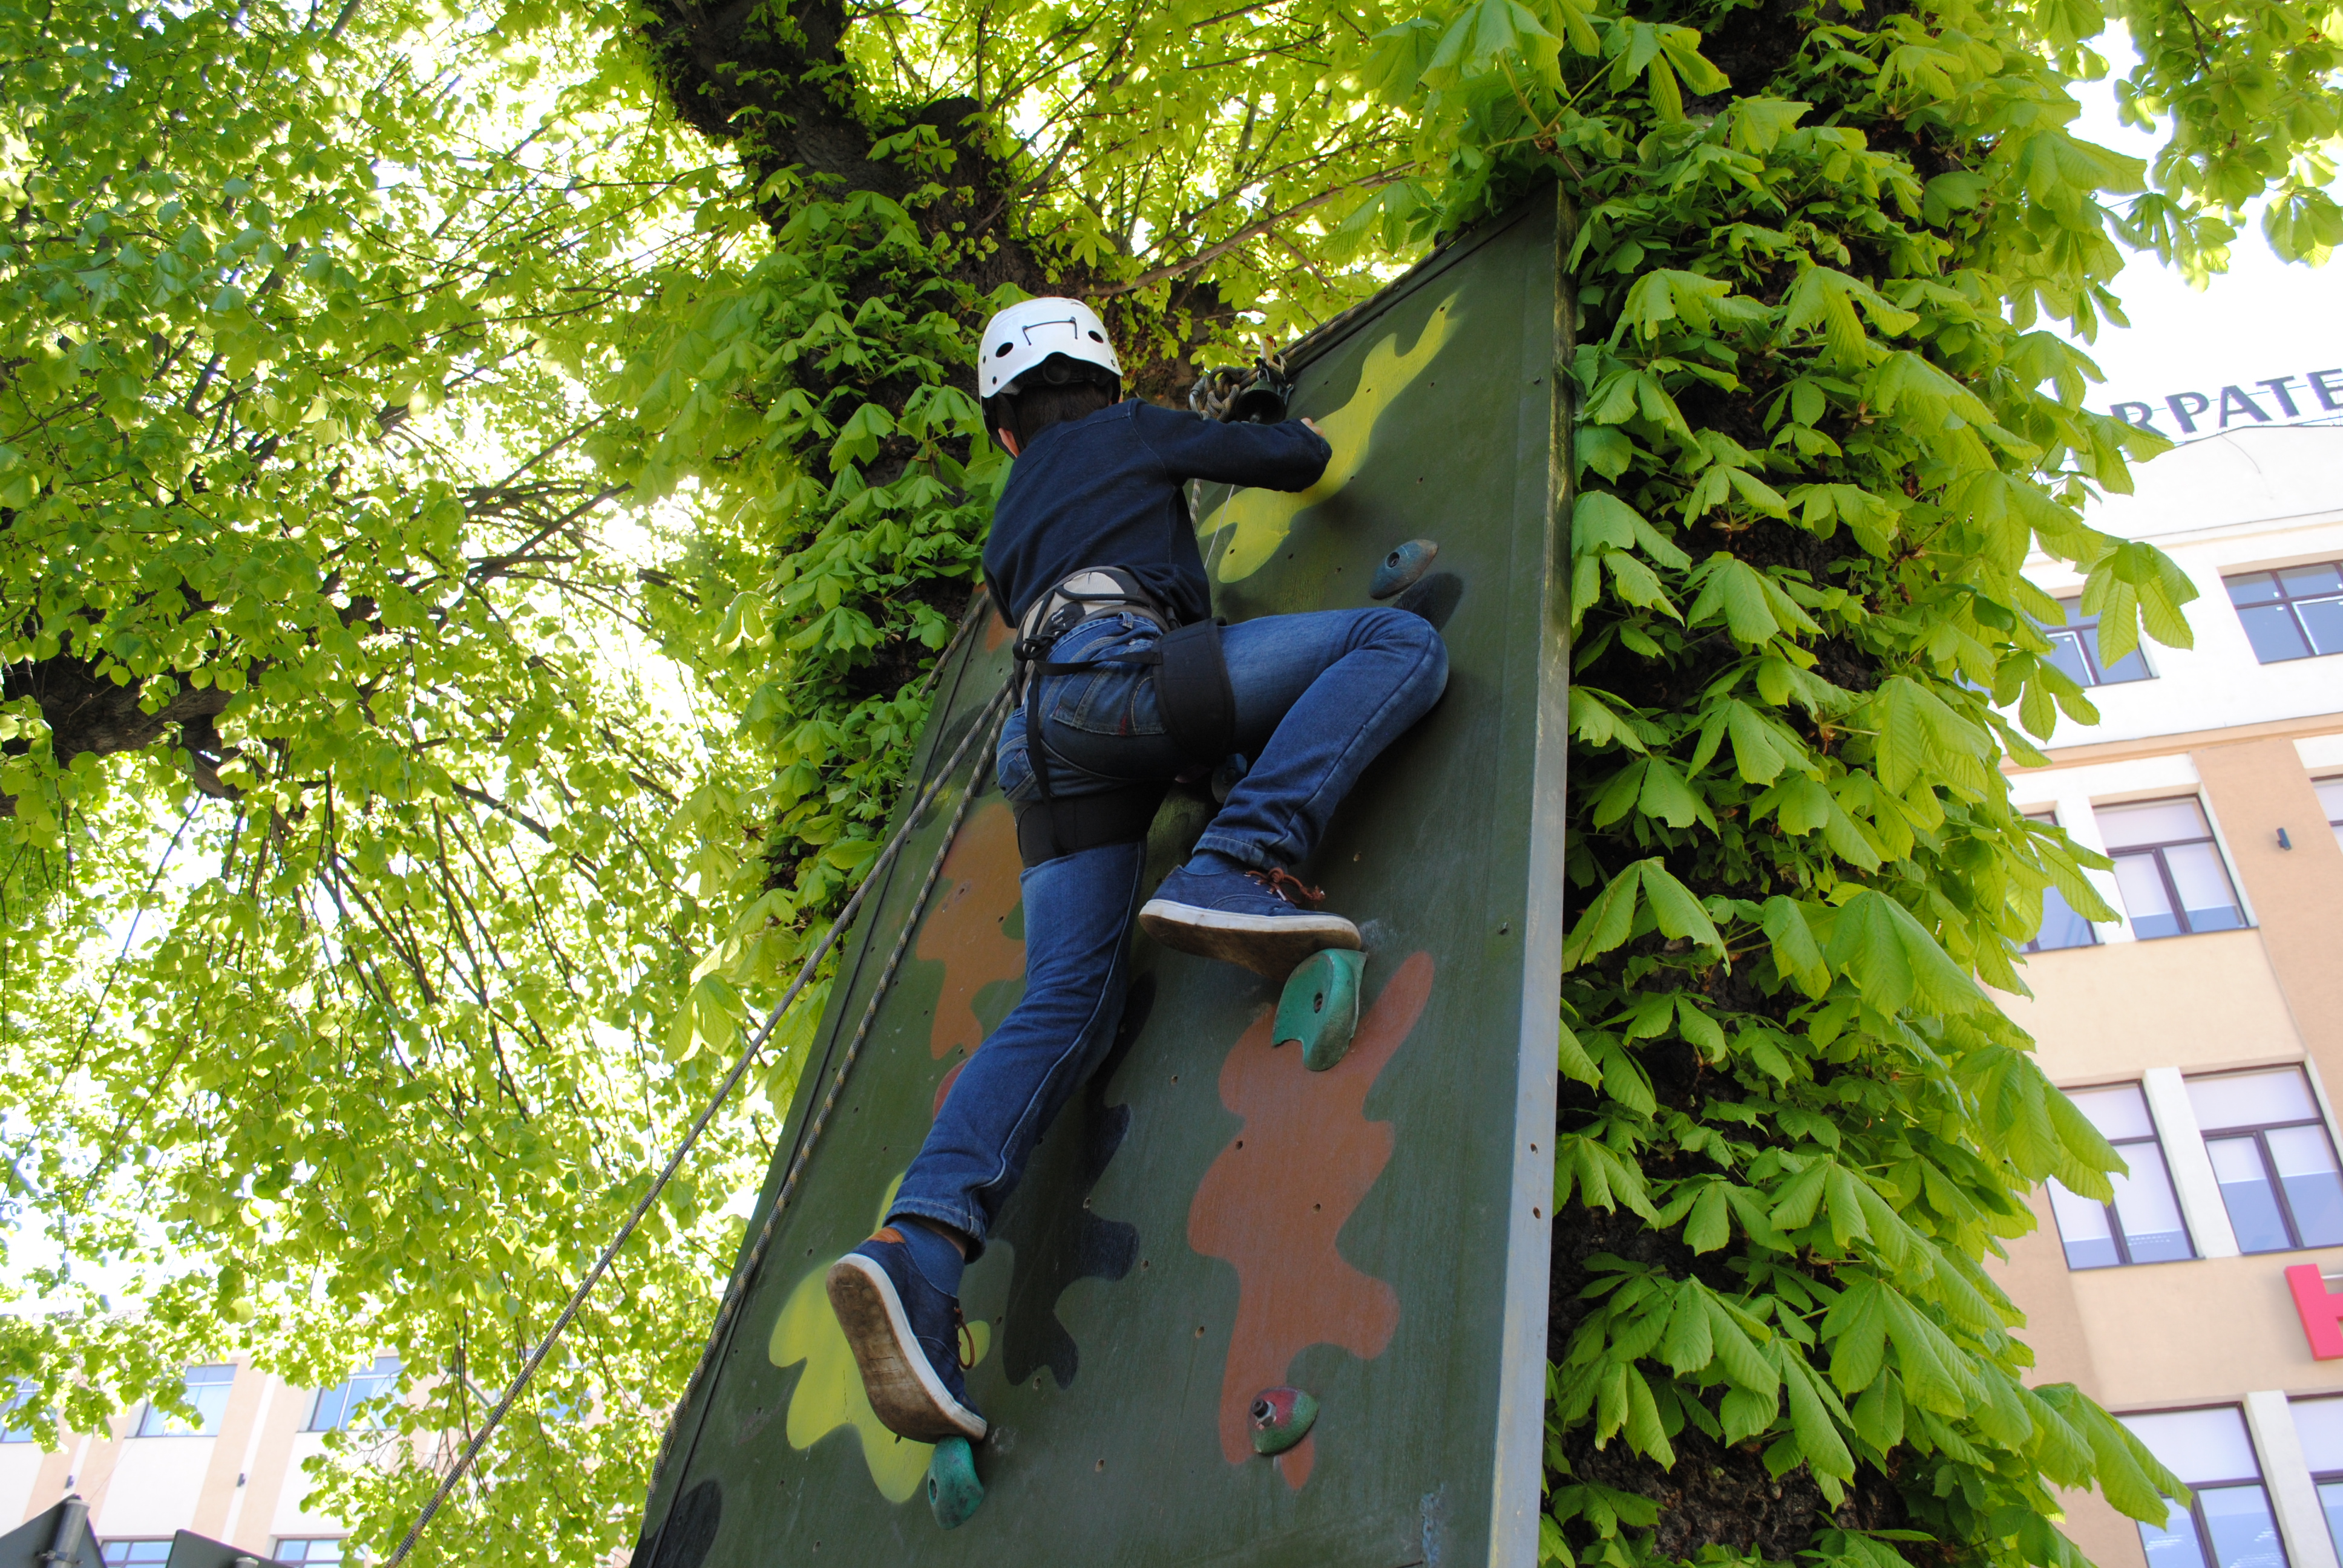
1208 1220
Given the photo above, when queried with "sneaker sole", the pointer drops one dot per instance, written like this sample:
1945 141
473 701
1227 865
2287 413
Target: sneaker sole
907 1397
1269 945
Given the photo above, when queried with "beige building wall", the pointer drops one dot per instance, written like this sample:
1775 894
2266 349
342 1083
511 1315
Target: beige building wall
243 1486
2247 741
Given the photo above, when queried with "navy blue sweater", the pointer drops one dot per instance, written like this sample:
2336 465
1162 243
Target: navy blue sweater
1105 491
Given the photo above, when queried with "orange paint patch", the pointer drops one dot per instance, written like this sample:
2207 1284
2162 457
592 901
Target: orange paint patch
962 929
995 631
1275 1200
943 1089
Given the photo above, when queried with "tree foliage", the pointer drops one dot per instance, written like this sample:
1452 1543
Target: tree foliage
471 552
358 854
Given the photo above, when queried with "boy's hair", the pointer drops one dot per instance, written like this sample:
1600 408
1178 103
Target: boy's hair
1056 391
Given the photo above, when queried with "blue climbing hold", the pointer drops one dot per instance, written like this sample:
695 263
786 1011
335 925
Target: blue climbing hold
1401 568
954 1492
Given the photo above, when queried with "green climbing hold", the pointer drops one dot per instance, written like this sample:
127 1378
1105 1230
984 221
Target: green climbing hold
954 1492
1320 1008
1401 568
1281 1417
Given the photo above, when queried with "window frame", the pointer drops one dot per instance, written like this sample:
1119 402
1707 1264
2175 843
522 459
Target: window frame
2262 1149
2197 1488
2197 1521
385 1381
19 1393
2115 1231
151 1411
2336 823
2284 600
2049 815
2320 1478
278 1543
2164 871
108 1543
2083 631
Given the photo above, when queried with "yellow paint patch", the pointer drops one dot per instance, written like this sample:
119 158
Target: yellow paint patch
1262 518
829 1395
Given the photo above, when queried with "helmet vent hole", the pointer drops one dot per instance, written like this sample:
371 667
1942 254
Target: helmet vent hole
1097 337
1002 352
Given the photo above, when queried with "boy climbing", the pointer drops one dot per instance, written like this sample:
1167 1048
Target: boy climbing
1127 683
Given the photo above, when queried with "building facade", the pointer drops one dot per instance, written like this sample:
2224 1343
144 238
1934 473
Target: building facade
2203 1034
234 1475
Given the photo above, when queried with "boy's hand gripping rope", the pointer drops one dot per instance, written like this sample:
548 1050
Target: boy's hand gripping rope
988 724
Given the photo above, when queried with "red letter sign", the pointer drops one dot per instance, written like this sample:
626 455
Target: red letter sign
2320 1312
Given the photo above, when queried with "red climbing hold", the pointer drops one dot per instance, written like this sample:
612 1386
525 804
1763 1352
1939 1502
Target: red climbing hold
1279 1418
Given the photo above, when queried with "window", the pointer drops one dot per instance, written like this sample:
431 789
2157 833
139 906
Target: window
134 1554
334 1408
2171 876
20 1396
206 1389
309 1548
2295 613
2075 649
2273 1157
2230 1524
2331 801
2061 926
2320 1423
2143 1225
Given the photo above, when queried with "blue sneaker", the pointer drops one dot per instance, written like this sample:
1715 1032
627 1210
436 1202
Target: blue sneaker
1249 918
905 1335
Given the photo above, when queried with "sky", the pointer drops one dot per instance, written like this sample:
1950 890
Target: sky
2263 320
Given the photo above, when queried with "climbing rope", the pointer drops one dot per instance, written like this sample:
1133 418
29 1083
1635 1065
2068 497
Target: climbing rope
988 723
1217 393
737 1289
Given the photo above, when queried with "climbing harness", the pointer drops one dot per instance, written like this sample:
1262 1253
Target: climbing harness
1192 692
988 724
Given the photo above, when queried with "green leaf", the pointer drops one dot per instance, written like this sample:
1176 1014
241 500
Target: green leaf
1758 124
1573 1061
1677 912
1752 607
1600 1176
1606 921
1796 954
859 437
2133 585
1815 1414
1665 296
1398 57
1877 943
1708 1224
1486 32
1920 732
1825 297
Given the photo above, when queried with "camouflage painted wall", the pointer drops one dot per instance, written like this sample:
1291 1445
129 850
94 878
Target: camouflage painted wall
1208 1219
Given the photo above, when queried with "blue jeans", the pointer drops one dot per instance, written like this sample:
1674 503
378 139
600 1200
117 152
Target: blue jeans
1318 697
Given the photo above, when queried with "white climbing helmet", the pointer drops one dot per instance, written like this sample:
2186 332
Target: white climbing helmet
1021 336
